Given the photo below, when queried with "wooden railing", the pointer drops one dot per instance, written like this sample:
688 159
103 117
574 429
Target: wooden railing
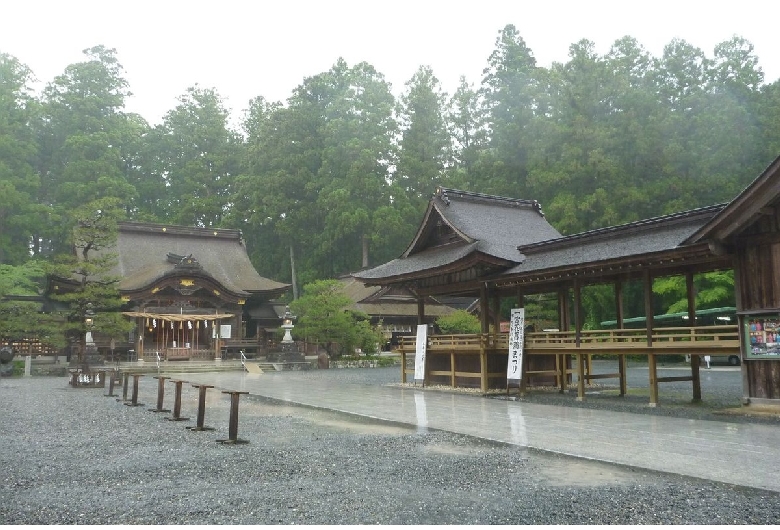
557 345
627 341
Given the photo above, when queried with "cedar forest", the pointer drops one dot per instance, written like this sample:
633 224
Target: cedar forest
338 177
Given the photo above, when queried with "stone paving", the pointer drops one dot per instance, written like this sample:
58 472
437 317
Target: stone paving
732 453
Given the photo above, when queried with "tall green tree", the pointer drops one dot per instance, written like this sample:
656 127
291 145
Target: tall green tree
20 213
358 150
200 157
510 91
466 124
81 135
425 147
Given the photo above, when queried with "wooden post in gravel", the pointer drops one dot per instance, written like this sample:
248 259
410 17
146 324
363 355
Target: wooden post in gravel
125 380
233 426
201 408
177 402
134 399
110 387
160 393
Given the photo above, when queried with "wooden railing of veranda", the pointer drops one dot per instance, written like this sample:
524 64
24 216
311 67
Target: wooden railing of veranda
456 356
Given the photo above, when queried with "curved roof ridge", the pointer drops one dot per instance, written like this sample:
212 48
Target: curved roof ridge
446 193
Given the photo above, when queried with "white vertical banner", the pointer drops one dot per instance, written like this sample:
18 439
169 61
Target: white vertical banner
419 356
514 367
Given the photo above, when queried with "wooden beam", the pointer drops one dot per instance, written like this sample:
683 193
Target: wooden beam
483 308
647 280
483 368
652 366
496 299
695 376
619 308
577 313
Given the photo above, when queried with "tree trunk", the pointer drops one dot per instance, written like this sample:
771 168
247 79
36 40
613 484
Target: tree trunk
292 270
365 251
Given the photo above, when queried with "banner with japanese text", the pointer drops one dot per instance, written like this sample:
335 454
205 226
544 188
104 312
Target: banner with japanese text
514 368
419 357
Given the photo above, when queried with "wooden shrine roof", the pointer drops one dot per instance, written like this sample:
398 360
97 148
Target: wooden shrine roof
388 302
150 252
464 227
644 238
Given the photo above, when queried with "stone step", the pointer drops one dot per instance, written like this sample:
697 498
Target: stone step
180 367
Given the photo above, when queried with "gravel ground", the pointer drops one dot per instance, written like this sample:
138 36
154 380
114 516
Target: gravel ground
74 456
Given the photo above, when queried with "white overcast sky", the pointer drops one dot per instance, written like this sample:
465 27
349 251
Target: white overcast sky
249 48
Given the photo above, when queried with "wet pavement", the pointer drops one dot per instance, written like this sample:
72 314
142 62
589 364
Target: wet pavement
732 453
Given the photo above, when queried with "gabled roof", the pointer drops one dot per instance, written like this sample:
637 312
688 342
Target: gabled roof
746 207
149 252
465 228
649 236
388 302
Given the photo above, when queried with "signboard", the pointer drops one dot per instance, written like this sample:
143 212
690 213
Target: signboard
225 331
514 368
419 357
762 334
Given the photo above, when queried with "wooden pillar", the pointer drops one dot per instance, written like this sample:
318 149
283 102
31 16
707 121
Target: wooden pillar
420 310
483 308
239 332
563 310
217 340
652 369
577 331
403 364
483 368
496 299
452 369
648 289
695 376
139 337
741 327
651 360
563 325
622 365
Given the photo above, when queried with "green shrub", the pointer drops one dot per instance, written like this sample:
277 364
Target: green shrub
459 322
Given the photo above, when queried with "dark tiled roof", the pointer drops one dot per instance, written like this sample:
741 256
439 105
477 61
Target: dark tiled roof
143 250
498 224
429 259
381 301
642 237
489 225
